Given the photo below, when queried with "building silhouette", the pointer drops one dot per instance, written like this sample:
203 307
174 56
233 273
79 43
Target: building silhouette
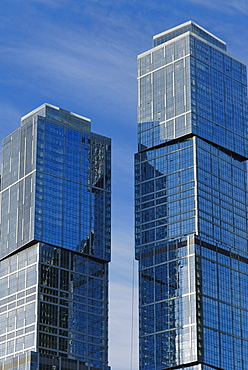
55 244
191 203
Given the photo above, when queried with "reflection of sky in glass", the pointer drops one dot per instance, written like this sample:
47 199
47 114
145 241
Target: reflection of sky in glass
70 205
56 196
190 199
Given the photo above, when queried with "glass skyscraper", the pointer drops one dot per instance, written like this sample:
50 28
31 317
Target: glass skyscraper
191 203
55 244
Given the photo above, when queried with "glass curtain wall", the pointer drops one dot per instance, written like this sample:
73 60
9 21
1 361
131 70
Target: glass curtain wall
55 242
190 203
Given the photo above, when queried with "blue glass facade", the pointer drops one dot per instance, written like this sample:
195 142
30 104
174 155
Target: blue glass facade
190 203
55 242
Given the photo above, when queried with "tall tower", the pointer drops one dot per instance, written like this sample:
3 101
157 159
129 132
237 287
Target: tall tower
191 203
55 244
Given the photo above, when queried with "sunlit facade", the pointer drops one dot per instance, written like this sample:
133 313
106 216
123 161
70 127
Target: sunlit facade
191 203
55 244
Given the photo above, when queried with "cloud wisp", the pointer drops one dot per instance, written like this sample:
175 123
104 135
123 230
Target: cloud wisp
227 6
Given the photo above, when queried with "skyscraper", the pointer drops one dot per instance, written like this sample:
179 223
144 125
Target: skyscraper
55 244
191 203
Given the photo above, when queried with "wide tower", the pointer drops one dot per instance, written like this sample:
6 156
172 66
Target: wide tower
55 244
191 203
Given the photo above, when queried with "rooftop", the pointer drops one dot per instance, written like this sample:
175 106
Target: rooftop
185 27
58 114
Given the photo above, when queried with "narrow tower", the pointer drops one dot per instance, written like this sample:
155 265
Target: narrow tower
55 244
191 203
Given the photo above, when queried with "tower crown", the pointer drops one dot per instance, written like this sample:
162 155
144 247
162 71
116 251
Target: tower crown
189 26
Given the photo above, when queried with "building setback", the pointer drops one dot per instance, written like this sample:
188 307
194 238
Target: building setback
55 244
191 203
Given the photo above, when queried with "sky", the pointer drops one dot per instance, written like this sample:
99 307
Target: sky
81 55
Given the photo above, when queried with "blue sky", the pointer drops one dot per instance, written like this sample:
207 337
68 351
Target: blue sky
81 56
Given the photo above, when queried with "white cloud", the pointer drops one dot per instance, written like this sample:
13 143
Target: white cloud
123 327
83 53
226 6
77 59
9 118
